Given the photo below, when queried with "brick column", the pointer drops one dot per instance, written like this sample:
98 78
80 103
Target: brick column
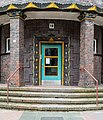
86 49
0 50
17 47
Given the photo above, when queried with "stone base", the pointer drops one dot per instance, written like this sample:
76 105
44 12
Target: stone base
81 83
51 82
86 84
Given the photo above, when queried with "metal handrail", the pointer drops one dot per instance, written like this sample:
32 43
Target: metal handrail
8 80
96 84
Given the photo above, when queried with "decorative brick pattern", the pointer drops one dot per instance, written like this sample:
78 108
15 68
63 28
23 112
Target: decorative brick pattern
67 71
75 58
28 60
36 63
63 30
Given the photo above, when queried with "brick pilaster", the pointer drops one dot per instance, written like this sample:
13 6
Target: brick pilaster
0 51
17 46
86 49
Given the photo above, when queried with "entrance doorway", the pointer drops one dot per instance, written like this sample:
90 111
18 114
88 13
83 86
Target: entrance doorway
51 64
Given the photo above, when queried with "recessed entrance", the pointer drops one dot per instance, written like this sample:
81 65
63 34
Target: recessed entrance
51 64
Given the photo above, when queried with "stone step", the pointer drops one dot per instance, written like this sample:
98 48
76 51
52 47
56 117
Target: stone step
52 89
51 95
50 107
51 100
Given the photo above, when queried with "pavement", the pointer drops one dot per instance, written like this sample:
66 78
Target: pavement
37 115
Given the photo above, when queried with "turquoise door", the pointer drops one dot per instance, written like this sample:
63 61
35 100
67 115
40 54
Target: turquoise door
51 62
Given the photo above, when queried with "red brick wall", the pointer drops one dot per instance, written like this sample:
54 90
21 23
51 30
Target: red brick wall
98 55
5 57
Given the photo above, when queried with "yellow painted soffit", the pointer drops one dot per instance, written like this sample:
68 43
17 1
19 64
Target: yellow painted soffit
11 7
31 5
93 8
73 6
52 5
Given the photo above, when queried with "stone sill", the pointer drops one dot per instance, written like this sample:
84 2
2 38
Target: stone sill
101 55
4 53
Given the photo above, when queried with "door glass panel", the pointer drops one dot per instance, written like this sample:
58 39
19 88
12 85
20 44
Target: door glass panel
51 71
51 51
51 61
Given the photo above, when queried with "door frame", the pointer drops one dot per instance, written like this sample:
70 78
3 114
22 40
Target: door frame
51 42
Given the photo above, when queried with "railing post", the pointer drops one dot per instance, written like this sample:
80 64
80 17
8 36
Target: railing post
97 93
95 81
7 91
8 83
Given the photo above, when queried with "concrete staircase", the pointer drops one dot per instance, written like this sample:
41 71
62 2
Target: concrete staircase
51 99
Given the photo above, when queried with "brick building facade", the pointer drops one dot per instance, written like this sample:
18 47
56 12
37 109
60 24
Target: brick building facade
77 36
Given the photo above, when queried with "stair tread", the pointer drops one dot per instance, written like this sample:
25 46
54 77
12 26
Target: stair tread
51 99
49 105
56 99
52 93
52 89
